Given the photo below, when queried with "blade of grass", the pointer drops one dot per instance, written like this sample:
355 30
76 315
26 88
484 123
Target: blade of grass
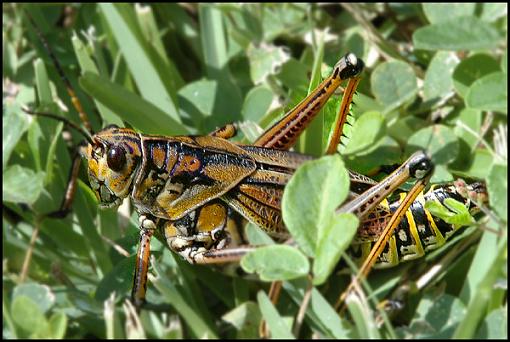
148 25
277 326
320 312
481 293
150 83
145 17
213 40
140 113
198 326
87 64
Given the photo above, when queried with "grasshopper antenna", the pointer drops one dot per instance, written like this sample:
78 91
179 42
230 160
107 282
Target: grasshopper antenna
67 201
68 122
87 131
74 99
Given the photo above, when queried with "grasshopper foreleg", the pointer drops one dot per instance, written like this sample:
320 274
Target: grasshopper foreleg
67 201
143 254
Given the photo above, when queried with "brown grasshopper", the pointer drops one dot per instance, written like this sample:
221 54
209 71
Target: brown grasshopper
186 188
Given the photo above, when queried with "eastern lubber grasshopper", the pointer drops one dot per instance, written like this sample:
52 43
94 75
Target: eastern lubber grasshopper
104 152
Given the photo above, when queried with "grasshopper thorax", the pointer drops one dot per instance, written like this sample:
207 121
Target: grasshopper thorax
113 160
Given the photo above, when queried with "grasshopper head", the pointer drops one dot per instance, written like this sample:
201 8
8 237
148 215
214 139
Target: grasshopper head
113 160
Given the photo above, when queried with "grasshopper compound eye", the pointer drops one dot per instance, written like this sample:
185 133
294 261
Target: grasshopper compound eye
116 158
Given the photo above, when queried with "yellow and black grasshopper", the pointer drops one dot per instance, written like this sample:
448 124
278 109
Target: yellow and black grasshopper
186 188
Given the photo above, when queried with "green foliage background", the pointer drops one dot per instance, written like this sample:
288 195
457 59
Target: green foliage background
435 78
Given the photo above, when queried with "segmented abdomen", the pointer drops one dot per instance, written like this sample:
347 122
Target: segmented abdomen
417 233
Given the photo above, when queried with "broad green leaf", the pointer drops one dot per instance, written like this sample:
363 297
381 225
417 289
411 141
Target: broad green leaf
471 69
457 214
441 315
245 318
9 328
14 125
130 107
197 98
21 185
256 103
282 20
462 215
478 166
265 60
293 74
403 128
311 196
438 210
364 103
493 11
497 185
277 326
257 236
441 175
367 132
438 78
58 325
276 262
489 93
472 119
332 242
40 294
463 33
28 316
438 140
387 153
393 84
441 12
